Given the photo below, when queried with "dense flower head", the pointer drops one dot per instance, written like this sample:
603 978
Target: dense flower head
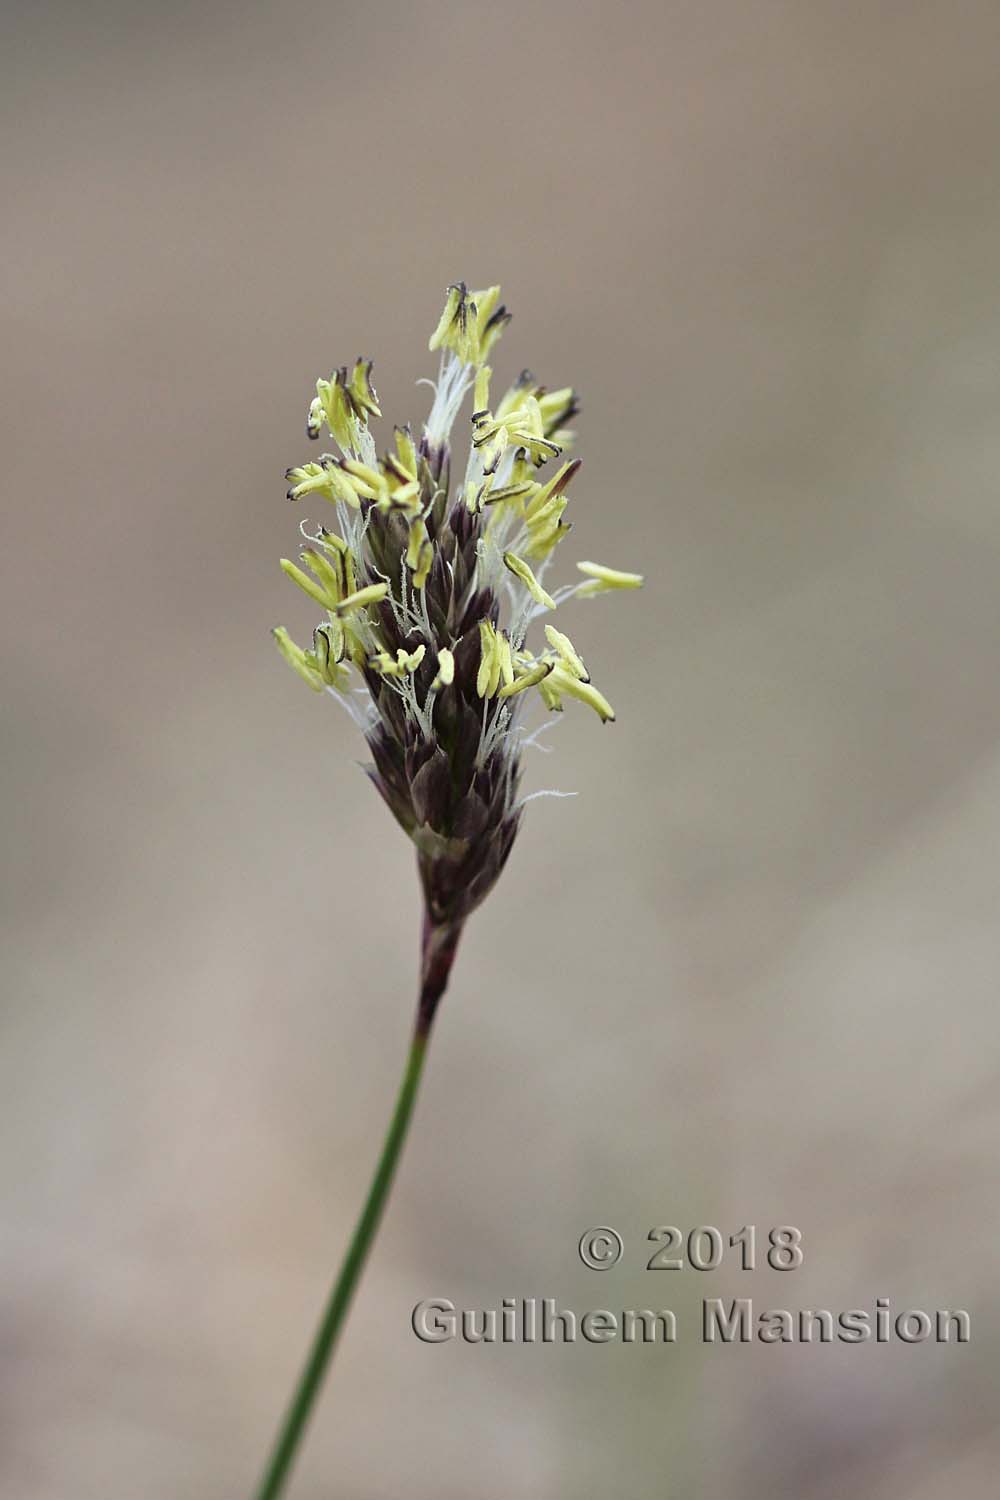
429 587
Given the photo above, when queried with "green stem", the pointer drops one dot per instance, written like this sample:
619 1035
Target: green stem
438 954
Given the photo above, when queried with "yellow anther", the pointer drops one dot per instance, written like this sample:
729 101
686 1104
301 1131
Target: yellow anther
481 393
505 661
565 648
556 486
364 479
602 579
329 577
556 408
297 658
308 479
454 310
546 527
509 492
326 478
486 302
309 585
404 662
404 497
470 323
344 404
406 449
392 487
478 495
516 393
344 488
488 677
314 420
561 681
395 471
550 694
330 644
521 427
410 661
343 561
362 392
339 403
531 678
329 648
520 569
445 669
490 438
419 553
361 598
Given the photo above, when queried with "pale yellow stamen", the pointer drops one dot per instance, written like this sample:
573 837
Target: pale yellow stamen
296 658
470 323
520 569
561 681
419 553
369 595
603 579
566 650
445 669
488 677
531 678
309 585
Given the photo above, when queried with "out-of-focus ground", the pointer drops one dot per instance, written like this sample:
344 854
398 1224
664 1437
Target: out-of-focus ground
749 976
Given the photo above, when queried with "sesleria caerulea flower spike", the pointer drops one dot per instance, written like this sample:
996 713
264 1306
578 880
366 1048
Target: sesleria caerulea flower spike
430 587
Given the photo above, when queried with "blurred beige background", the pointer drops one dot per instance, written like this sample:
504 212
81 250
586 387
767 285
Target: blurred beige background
750 975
